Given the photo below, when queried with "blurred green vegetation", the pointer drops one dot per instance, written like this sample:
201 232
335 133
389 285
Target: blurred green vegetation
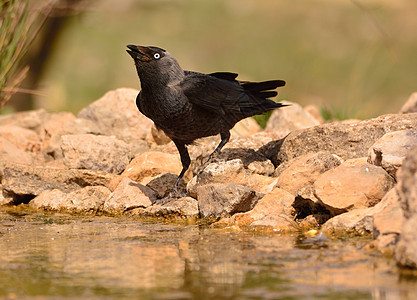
356 57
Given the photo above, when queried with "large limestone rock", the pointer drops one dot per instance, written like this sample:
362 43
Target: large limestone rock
289 118
22 180
95 152
116 114
25 139
406 251
347 140
217 200
353 184
305 169
390 150
88 199
129 195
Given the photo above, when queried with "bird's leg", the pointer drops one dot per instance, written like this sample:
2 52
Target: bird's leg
225 137
185 160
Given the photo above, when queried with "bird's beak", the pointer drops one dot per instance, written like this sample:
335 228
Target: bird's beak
139 52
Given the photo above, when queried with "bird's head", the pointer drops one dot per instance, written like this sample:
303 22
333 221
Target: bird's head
155 64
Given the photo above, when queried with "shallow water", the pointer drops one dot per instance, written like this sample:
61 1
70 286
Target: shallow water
47 256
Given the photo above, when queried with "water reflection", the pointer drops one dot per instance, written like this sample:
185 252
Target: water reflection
98 257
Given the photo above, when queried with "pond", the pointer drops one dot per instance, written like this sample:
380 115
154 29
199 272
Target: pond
45 256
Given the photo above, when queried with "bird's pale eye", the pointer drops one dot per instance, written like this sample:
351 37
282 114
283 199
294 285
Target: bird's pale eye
157 55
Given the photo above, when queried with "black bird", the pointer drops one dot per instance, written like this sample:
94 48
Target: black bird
188 105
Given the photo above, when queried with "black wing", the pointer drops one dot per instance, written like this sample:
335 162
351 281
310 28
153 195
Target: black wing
221 93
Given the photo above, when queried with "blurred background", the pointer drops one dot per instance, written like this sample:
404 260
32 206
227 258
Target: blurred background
351 58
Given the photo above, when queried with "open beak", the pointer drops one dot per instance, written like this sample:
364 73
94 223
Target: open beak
138 52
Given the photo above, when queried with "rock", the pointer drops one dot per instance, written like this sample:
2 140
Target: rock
32 119
231 171
63 124
88 199
24 139
184 207
245 127
150 164
390 150
346 140
305 169
307 206
385 218
116 114
410 106
95 152
289 118
4 200
219 200
406 250
129 195
10 153
314 111
24 181
276 205
352 186
162 184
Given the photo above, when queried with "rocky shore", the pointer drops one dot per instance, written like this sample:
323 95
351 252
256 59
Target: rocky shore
348 177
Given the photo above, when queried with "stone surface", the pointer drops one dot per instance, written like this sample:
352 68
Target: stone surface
314 111
410 106
289 118
352 186
390 150
184 207
347 140
95 152
162 184
150 164
22 180
276 205
32 119
245 127
88 199
305 169
129 195
11 153
116 114
218 200
308 206
406 250
24 139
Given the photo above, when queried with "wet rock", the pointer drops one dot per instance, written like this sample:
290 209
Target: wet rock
116 114
88 199
219 200
11 153
406 250
410 106
60 124
20 181
231 171
162 184
350 186
384 219
32 119
129 195
184 207
95 152
25 139
305 169
274 209
346 140
150 164
390 150
289 118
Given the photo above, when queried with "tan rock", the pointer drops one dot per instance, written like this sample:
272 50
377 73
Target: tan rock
183 207
390 150
305 169
129 195
314 111
24 139
9 153
347 187
162 184
32 119
150 164
289 118
95 152
410 106
245 127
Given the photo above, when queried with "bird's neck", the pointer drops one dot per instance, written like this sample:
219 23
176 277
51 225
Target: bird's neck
151 80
